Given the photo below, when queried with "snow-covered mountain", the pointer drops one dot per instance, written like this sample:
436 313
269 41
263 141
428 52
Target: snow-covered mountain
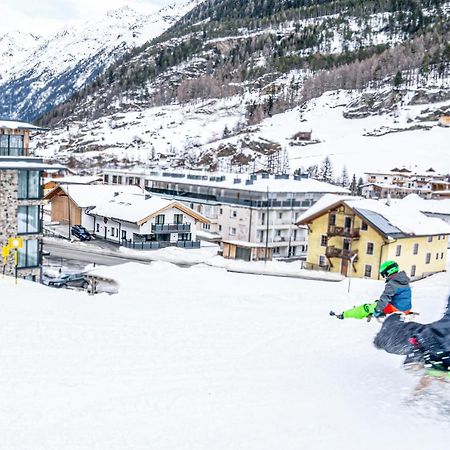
39 75
14 47
231 83
212 134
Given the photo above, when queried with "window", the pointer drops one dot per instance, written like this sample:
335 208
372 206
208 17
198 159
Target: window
159 220
370 248
29 184
112 231
232 231
278 232
280 215
220 211
184 237
398 250
28 255
324 240
413 271
178 218
11 145
124 234
430 239
233 213
364 226
28 219
105 178
442 255
437 255
332 219
220 227
322 261
415 249
263 218
428 258
114 179
206 226
97 227
368 271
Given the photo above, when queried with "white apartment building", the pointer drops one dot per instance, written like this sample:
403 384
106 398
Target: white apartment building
398 183
252 209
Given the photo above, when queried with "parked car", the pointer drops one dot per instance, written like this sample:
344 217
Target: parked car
81 233
69 279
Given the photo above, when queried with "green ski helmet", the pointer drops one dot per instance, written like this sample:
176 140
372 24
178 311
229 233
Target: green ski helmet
388 268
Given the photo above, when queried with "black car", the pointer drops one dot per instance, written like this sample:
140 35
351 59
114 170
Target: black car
69 279
81 233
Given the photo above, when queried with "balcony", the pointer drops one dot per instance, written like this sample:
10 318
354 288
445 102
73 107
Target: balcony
171 228
334 252
352 233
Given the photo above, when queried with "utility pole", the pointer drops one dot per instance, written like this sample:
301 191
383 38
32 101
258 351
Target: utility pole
267 228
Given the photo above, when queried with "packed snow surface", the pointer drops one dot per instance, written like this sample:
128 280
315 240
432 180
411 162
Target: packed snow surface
200 358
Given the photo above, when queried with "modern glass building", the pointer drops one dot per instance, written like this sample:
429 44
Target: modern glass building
21 195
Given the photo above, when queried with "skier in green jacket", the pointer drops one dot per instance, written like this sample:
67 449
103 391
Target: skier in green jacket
396 296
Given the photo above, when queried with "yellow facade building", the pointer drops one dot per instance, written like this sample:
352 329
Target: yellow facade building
353 236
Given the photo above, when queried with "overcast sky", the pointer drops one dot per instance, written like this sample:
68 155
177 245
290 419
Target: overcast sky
46 16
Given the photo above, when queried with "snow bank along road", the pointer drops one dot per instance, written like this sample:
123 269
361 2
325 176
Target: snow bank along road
201 358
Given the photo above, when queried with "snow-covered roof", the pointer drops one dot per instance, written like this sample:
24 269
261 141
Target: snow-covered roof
24 164
85 195
426 206
18 125
76 179
396 221
243 182
137 208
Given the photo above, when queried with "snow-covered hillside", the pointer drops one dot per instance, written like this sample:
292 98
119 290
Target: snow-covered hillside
204 359
14 47
50 71
212 134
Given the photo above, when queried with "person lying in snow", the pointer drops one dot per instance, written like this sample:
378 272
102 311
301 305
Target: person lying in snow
396 296
425 345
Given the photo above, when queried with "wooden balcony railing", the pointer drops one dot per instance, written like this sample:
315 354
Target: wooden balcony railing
335 252
353 233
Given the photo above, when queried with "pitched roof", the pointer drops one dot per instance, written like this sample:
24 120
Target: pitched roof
139 208
391 221
85 195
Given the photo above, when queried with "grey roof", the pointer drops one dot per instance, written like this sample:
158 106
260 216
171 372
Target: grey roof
380 222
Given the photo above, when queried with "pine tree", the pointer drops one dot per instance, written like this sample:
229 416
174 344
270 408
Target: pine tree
398 80
326 170
353 186
344 177
359 187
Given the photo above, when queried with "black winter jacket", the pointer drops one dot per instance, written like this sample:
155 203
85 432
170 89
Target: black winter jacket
433 338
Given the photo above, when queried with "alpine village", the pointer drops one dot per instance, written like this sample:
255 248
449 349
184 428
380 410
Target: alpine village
191 190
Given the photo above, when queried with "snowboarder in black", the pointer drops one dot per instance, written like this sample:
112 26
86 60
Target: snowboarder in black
425 344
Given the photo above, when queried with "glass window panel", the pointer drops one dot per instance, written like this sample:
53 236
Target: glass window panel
4 144
22 218
22 253
33 219
32 253
28 254
23 184
28 219
34 187
16 145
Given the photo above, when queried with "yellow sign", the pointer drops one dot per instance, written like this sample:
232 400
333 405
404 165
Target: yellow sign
5 251
15 242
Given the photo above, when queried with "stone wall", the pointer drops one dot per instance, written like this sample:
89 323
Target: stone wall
8 220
